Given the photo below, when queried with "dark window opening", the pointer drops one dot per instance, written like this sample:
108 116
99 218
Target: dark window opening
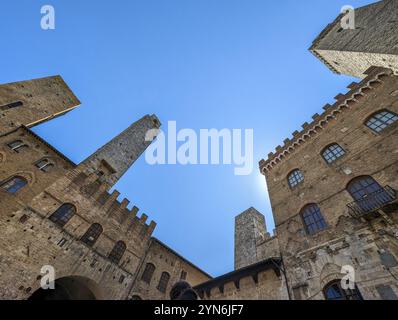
17 145
63 214
334 291
381 120
45 165
117 252
163 282
14 184
148 273
368 193
332 153
92 234
11 105
295 178
313 219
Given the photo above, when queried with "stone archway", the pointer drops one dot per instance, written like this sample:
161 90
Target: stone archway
70 288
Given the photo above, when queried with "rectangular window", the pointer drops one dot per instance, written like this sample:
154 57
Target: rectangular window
62 242
11 105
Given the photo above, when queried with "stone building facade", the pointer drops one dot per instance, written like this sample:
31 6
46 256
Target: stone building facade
162 263
56 213
252 241
333 193
333 189
333 186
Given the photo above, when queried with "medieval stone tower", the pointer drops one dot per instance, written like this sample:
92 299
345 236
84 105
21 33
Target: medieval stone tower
249 230
56 213
333 184
112 160
373 42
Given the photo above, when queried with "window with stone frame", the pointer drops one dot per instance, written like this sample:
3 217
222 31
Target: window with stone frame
332 153
163 282
45 165
148 273
14 184
117 252
313 219
334 291
381 120
295 178
17 145
92 234
183 275
11 105
63 214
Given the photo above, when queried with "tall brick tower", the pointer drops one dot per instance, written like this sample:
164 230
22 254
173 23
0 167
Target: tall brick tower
373 42
250 228
112 160
35 101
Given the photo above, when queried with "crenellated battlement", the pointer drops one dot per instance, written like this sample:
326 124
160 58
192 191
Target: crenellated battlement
320 121
108 204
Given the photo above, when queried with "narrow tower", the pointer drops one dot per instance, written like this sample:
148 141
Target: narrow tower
35 101
249 229
373 42
112 160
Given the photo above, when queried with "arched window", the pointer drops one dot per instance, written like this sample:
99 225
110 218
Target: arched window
332 152
295 178
381 120
136 297
148 273
368 193
334 291
117 252
363 187
63 214
14 184
17 145
313 219
45 165
92 234
163 282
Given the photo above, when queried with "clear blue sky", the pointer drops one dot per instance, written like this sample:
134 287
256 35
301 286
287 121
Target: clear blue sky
203 63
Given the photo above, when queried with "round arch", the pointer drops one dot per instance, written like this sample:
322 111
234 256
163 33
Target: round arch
70 288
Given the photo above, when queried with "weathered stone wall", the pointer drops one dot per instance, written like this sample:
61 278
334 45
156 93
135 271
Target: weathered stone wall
165 260
268 248
22 163
250 228
314 260
30 240
372 43
115 157
268 287
42 100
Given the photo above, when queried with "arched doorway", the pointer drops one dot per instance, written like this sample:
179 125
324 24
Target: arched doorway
70 288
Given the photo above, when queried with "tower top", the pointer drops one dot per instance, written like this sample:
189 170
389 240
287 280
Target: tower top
112 160
35 101
249 229
372 42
